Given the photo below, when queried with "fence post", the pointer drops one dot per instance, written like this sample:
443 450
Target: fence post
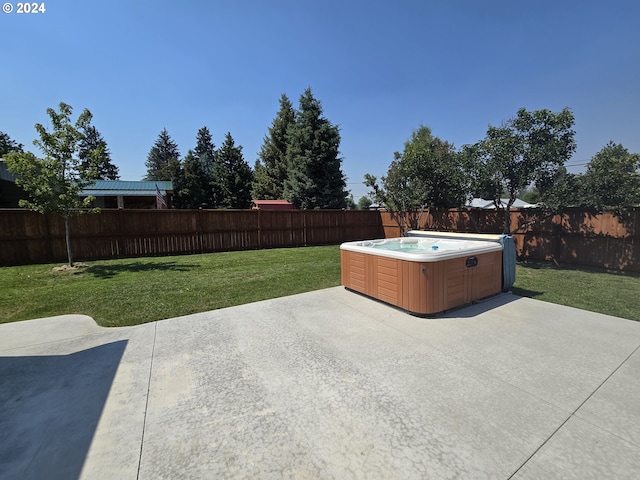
259 230
121 248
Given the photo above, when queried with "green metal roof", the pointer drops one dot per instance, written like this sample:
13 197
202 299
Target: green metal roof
107 188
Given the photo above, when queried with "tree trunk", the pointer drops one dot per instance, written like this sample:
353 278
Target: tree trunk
67 237
507 220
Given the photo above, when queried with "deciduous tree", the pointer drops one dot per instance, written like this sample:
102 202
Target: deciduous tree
54 182
530 148
612 179
428 173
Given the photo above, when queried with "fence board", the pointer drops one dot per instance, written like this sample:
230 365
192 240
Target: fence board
574 237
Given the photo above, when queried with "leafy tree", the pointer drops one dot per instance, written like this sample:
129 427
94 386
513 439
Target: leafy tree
160 156
530 148
314 177
612 179
428 173
270 170
234 176
54 183
93 148
364 203
7 145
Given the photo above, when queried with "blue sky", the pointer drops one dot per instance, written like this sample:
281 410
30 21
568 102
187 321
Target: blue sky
380 69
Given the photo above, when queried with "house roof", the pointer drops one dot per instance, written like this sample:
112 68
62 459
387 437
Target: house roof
273 204
107 188
488 204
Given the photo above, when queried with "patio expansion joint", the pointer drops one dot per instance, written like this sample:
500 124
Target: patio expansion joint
573 414
146 406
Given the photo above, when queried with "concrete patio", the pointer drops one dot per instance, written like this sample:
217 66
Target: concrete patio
327 384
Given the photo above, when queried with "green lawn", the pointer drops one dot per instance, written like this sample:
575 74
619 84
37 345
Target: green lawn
139 290
615 294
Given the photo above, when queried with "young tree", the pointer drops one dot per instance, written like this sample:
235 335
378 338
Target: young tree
271 167
7 145
54 183
233 176
160 156
314 177
94 148
428 173
528 148
612 179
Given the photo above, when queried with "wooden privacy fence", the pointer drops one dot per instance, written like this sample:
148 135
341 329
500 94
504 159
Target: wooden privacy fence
27 237
574 237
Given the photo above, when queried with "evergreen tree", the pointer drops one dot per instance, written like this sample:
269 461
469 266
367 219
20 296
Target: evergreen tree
93 144
271 167
205 150
189 183
7 145
205 155
233 176
314 176
160 156
174 172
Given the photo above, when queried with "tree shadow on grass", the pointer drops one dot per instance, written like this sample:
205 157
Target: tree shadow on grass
575 268
109 271
524 292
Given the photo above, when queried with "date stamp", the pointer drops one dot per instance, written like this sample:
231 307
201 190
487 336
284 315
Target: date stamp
24 8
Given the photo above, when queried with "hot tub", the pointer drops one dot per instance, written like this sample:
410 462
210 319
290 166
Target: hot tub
423 274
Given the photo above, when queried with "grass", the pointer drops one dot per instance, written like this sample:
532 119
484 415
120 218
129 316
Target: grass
611 293
134 291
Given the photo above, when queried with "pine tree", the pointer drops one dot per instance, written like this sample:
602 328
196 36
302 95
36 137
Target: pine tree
7 145
271 167
314 177
233 176
160 156
93 144
191 183
205 154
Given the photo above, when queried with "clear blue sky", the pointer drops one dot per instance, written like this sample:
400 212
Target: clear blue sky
380 69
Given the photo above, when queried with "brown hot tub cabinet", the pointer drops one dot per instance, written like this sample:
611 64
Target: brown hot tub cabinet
425 285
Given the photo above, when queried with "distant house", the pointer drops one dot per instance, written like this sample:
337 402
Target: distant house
489 205
130 194
108 193
10 193
272 205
